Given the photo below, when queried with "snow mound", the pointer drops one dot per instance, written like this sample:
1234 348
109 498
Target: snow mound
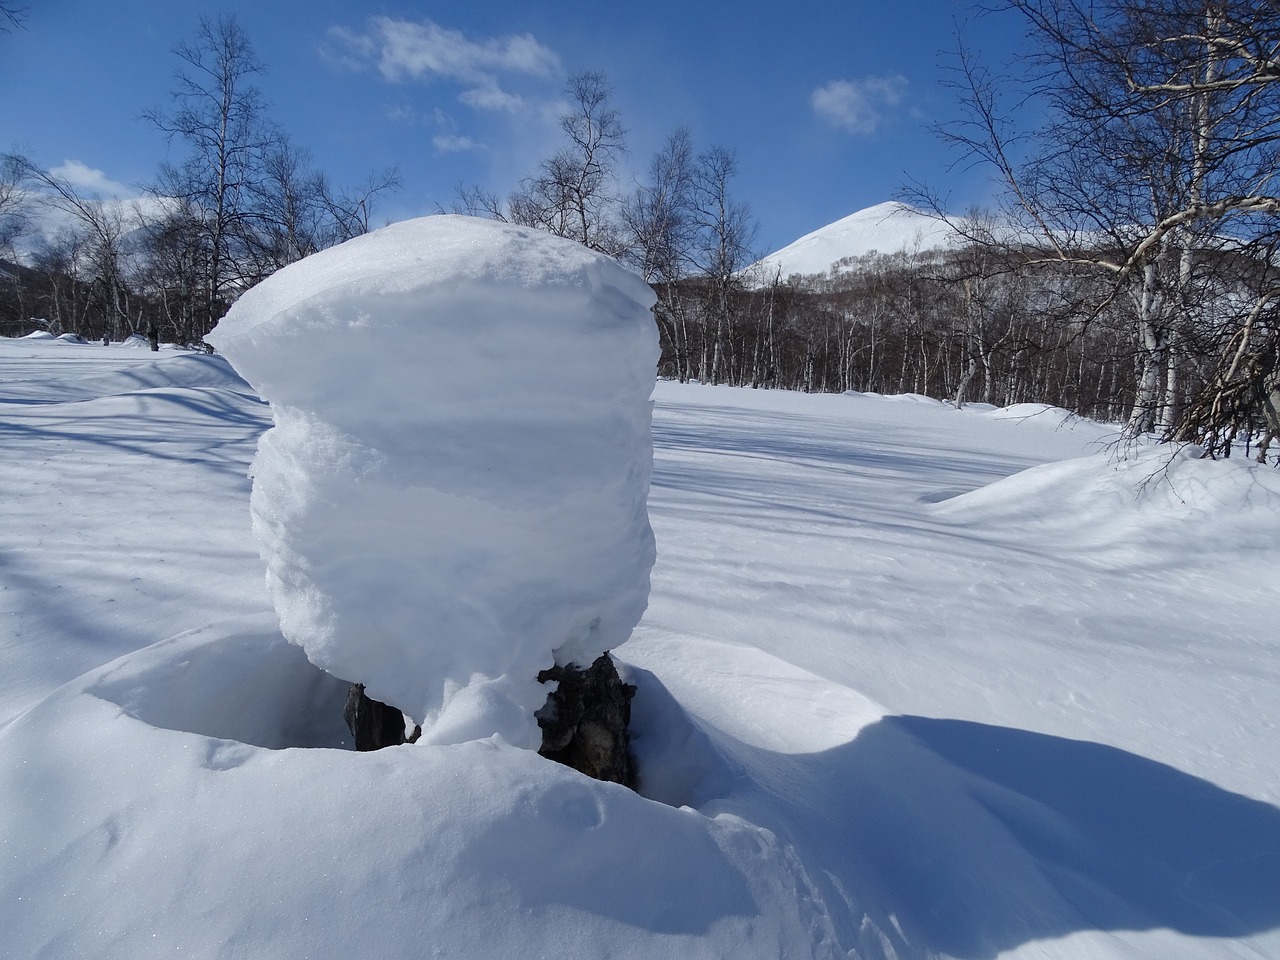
454 492
1151 495
915 398
39 335
1035 412
194 371
232 681
182 833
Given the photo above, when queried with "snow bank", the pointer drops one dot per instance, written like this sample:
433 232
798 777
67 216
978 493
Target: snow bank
1157 499
454 491
1034 412
140 823
191 371
907 732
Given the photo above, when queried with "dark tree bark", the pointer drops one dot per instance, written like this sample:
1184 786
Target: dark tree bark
374 725
584 723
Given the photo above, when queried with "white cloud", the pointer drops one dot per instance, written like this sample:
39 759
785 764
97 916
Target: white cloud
414 50
354 50
859 106
454 143
490 96
90 181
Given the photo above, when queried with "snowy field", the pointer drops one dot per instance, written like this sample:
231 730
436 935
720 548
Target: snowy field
914 683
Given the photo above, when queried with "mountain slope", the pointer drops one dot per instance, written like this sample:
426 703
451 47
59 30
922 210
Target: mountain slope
885 228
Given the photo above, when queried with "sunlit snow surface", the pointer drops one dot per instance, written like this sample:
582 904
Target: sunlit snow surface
927 683
452 498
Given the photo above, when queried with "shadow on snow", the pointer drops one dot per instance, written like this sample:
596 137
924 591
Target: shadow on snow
970 839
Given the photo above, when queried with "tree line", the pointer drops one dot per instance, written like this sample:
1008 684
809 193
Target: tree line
1129 273
1150 171
925 322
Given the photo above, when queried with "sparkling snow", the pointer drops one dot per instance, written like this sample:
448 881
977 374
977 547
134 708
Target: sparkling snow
928 683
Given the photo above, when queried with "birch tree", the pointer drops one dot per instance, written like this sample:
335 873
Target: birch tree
219 115
101 230
1156 166
724 232
574 193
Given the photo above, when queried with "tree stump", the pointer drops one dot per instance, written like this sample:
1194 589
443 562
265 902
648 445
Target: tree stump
584 722
374 725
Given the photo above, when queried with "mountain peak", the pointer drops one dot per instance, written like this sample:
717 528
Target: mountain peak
889 227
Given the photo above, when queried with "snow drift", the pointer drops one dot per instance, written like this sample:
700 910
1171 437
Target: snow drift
454 490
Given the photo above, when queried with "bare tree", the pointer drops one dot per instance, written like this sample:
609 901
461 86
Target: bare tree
285 217
102 228
574 192
475 201
1156 167
14 201
658 216
173 273
220 116
725 231
350 210
11 17
660 232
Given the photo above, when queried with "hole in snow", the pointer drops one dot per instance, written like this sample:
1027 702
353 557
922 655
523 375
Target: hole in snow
242 682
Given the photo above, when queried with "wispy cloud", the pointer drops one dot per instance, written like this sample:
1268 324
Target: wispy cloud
454 143
859 106
422 49
447 139
490 96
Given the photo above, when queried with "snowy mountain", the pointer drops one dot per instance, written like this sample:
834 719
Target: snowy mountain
914 683
885 228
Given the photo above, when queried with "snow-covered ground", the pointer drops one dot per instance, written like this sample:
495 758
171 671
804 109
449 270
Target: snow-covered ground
914 682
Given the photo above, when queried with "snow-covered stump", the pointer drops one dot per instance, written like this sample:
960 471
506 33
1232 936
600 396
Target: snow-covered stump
453 497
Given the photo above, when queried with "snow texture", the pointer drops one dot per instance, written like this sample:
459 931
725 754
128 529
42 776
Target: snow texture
914 683
453 495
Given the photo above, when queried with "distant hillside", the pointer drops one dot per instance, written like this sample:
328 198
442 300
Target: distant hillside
885 228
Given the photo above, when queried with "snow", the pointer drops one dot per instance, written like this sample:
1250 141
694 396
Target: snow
453 495
886 228
926 682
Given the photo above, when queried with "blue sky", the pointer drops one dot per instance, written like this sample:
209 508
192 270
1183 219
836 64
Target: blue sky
828 105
